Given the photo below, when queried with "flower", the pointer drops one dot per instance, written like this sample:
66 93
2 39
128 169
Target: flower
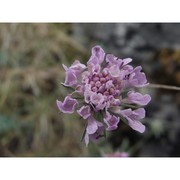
116 154
105 91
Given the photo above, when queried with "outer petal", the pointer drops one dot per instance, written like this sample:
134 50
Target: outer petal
92 61
126 61
77 66
68 105
138 114
136 125
133 118
111 121
98 134
71 78
138 78
84 112
98 52
113 60
86 139
92 125
97 56
94 130
73 73
137 98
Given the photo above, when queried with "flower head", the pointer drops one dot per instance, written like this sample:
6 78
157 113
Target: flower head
105 88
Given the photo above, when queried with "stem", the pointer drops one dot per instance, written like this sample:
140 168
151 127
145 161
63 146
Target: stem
84 132
161 86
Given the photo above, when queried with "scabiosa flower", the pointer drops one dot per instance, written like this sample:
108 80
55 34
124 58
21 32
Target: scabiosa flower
104 90
116 154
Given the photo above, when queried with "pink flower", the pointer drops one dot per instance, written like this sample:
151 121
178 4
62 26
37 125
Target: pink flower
99 86
117 154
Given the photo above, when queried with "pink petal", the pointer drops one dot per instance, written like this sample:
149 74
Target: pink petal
137 98
92 125
111 121
98 52
68 105
84 112
136 125
71 78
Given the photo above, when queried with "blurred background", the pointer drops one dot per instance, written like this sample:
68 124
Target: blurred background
31 57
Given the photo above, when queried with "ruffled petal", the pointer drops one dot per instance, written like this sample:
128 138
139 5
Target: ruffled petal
84 112
94 130
138 98
92 125
71 78
98 134
111 121
68 105
136 125
133 118
98 52
140 77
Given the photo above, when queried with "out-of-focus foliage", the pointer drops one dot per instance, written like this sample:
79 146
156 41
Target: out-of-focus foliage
30 74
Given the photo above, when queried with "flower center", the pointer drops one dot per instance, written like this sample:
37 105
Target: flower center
104 84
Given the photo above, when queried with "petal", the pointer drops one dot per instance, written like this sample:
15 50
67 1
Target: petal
114 71
65 67
92 125
138 114
68 105
86 139
137 98
139 76
133 118
124 112
98 134
96 69
71 78
77 66
136 125
98 52
84 112
92 61
111 59
111 121
126 61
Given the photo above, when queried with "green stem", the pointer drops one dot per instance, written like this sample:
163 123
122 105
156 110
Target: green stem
84 132
162 86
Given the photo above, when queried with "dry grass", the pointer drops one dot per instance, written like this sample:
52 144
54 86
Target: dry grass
30 74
